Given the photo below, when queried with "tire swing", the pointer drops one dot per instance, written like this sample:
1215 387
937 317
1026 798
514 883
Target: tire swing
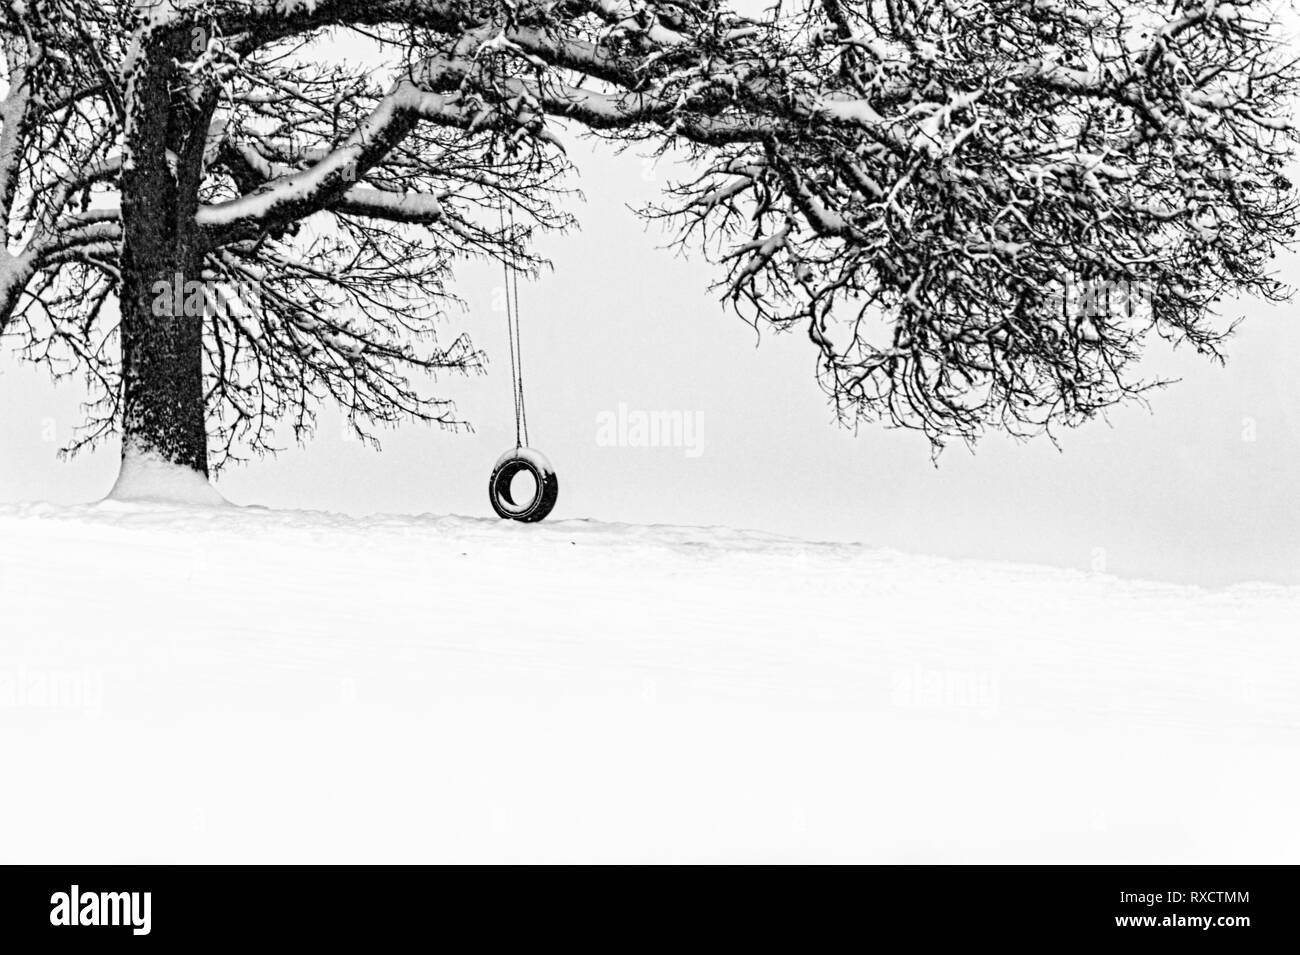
521 458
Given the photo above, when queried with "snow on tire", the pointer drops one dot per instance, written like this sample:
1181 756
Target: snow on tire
543 500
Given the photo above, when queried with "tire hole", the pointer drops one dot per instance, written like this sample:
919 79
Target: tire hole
523 487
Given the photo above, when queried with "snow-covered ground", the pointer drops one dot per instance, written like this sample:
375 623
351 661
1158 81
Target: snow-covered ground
188 683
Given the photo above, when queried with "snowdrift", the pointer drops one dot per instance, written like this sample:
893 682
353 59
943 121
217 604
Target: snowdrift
208 684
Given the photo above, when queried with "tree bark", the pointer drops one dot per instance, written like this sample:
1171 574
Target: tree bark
161 338
162 353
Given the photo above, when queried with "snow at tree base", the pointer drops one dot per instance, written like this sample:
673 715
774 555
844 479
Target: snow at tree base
296 686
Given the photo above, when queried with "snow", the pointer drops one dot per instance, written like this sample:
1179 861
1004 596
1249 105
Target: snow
303 186
209 684
145 476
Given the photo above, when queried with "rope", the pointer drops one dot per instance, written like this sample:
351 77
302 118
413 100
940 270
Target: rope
510 272
519 349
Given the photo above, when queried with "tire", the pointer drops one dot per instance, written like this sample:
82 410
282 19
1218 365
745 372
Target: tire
548 486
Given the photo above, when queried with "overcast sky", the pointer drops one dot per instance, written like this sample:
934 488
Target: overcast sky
1201 487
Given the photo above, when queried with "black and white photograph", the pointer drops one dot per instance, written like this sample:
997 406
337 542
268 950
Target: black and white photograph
692 432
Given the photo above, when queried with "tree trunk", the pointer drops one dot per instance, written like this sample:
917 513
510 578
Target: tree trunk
162 348
162 330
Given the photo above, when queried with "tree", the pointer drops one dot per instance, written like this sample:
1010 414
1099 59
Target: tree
979 210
